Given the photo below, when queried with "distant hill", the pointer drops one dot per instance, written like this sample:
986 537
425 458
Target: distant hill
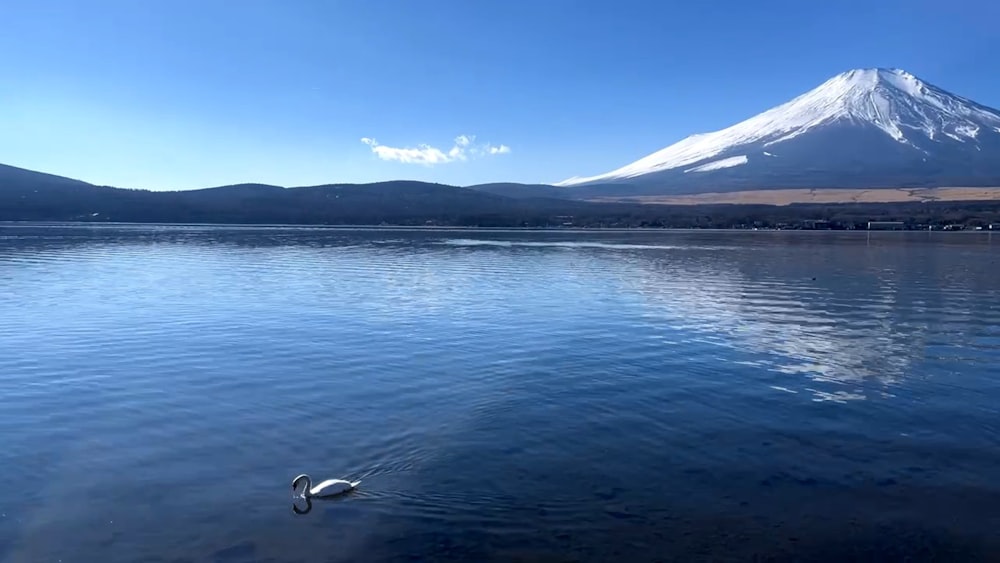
34 196
22 181
28 195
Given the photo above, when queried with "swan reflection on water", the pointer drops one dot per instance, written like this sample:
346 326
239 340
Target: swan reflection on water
299 501
306 510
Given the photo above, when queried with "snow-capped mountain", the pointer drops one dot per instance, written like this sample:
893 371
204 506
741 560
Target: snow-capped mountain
861 128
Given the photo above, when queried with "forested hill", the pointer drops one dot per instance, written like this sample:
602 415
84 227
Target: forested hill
33 196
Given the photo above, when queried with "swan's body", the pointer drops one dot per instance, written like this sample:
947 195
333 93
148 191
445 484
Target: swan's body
328 488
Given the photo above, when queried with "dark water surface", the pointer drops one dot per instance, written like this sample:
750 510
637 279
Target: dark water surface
535 396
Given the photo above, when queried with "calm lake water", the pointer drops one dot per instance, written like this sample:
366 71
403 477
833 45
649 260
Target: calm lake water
542 396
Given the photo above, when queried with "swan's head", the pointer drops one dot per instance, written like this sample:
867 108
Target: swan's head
299 479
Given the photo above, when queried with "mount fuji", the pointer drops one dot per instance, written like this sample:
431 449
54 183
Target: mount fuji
865 128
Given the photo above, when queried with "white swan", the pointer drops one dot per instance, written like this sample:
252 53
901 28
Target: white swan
328 488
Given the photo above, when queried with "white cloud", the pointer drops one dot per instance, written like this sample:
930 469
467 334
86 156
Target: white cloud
422 154
463 148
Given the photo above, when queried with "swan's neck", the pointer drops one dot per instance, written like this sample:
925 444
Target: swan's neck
307 491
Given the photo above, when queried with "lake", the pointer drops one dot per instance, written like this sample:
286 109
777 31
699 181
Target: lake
505 395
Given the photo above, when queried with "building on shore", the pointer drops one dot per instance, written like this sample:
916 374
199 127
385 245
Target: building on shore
886 225
816 225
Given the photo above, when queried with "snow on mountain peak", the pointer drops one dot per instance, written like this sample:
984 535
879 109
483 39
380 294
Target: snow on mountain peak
894 101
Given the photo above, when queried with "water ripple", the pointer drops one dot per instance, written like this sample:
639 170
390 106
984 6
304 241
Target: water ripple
591 395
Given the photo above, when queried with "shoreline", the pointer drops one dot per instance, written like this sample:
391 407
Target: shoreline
430 228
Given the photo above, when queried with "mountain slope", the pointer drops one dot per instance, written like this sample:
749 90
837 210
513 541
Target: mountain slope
24 181
862 128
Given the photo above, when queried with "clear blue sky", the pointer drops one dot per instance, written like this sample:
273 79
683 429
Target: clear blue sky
166 94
